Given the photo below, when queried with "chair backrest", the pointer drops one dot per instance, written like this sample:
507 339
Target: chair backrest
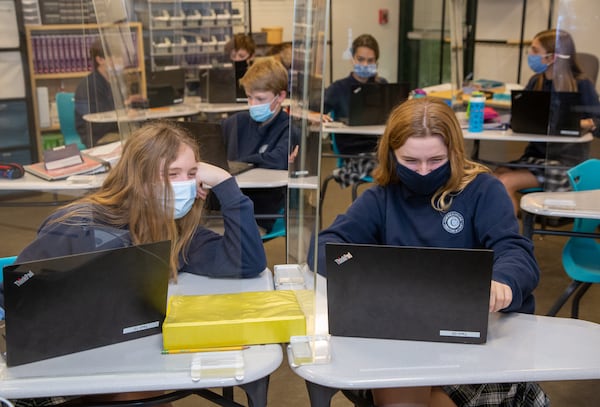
589 65
585 177
65 105
5 261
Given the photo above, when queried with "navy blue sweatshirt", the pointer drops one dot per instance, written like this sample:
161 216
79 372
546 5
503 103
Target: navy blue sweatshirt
238 253
393 215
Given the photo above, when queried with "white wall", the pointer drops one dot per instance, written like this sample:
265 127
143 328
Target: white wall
273 13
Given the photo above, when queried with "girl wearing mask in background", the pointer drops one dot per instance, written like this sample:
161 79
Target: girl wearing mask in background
552 58
156 192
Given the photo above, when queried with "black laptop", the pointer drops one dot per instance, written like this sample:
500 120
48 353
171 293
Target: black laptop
165 88
68 304
410 293
371 103
213 150
547 113
221 85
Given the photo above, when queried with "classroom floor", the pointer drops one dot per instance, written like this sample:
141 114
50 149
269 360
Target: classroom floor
18 226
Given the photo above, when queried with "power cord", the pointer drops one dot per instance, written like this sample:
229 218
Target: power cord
5 402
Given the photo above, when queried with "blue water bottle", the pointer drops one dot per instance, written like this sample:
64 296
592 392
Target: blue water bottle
475 112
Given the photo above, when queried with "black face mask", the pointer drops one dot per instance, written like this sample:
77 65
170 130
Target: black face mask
423 184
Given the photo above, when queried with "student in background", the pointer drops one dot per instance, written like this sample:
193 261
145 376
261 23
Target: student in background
283 53
261 135
429 193
240 48
552 58
365 54
93 95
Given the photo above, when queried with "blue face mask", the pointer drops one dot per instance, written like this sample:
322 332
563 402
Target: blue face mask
365 71
261 113
536 64
184 195
423 184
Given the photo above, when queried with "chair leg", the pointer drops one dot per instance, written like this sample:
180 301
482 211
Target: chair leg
578 295
563 298
322 199
355 189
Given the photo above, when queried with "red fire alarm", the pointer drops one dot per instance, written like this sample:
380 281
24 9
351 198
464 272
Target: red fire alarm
383 16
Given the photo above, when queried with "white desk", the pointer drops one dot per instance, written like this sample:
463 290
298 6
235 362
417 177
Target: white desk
139 115
167 112
138 365
262 178
254 178
573 204
486 135
520 347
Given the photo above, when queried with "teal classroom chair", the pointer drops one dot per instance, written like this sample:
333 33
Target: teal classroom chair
65 105
278 229
581 255
5 261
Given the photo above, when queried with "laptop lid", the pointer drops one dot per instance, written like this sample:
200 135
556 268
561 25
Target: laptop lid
411 293
212 147
221 84
548 113
371 103
165 88
73 303
240 68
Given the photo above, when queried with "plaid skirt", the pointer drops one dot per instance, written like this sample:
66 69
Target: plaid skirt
551 174
354 169
528 394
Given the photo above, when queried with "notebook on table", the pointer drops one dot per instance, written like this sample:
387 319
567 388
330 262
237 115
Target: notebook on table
68 304
371 103
547 113
409 293
212 147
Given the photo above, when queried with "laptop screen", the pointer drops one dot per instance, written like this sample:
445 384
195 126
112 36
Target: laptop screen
371 103
548 113
411 293
166 88
73 303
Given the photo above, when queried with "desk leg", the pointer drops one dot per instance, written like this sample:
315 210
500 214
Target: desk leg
257 392
320 396
528 223
475 151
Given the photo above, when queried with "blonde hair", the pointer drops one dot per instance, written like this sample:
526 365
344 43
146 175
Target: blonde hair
425 117
265 74
565 71
136 194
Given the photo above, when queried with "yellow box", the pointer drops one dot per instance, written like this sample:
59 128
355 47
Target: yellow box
224 320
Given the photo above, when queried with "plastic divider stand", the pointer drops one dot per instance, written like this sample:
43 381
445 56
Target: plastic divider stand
312 348
222 364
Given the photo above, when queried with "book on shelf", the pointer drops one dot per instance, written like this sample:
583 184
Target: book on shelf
89 166
62 156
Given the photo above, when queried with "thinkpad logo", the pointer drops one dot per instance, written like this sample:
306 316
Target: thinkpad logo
23 279
343 258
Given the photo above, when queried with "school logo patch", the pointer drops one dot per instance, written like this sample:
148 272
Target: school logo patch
453 222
